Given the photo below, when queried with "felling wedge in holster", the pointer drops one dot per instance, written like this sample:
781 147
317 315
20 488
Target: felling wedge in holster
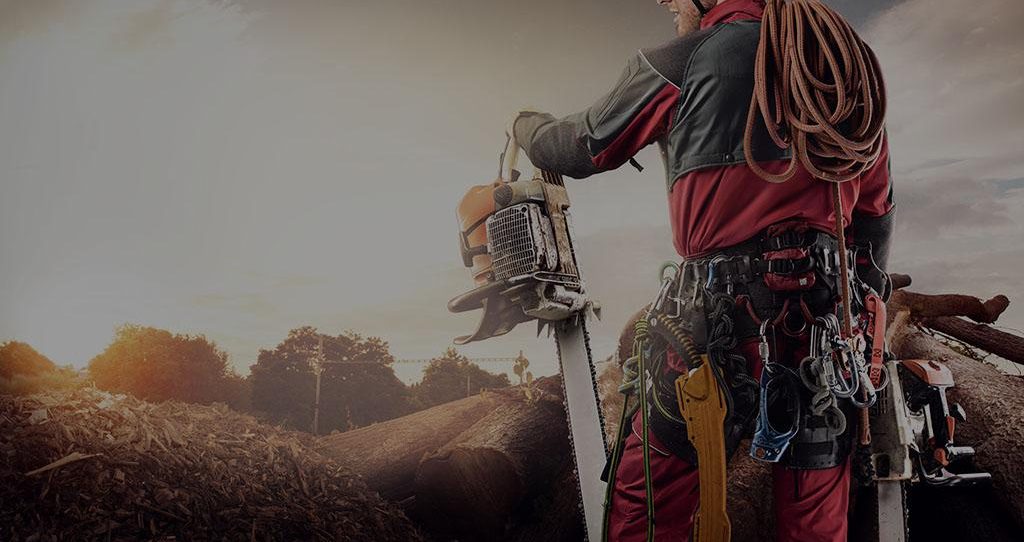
704 408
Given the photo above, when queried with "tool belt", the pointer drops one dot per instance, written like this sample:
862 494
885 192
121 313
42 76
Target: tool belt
781 261
789 272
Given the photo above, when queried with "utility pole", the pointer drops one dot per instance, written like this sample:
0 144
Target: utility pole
317 364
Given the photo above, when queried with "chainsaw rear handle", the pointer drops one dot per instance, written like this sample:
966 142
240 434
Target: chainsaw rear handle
510 157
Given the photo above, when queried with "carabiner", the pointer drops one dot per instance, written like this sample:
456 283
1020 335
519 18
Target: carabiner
711 271
770 443
666 287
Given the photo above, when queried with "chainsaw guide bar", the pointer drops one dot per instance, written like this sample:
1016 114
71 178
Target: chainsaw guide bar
516 235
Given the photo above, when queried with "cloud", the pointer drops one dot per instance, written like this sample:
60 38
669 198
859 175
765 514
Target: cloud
955 78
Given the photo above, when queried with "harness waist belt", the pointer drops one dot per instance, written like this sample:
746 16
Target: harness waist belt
745 262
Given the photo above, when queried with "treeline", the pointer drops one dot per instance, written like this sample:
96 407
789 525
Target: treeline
358 385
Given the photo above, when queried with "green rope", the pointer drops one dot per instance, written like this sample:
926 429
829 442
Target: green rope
633 383
616 459
640 344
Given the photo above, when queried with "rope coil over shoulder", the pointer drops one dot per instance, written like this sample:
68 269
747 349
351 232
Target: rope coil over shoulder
819 89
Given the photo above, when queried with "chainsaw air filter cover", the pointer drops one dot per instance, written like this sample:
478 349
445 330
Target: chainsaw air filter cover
519 245
521 242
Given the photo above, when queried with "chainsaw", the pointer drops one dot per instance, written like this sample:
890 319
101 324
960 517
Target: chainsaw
912 429
516 237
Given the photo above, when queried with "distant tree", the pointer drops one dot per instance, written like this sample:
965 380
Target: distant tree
359 389
452 376
18 358
24 371
157 365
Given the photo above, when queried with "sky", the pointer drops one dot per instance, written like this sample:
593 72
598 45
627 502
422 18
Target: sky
239 169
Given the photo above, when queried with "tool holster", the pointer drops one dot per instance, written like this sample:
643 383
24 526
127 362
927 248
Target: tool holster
703 406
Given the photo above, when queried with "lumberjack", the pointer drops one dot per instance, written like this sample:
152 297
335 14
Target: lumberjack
770 123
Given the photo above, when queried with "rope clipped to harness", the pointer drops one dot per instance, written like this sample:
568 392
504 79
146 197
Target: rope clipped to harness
819 89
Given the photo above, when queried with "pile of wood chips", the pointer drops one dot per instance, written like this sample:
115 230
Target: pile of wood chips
85 464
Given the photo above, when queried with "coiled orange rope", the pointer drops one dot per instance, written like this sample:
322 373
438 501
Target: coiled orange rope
819 89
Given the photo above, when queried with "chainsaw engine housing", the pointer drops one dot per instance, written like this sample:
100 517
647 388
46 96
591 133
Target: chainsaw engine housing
532 270
521 242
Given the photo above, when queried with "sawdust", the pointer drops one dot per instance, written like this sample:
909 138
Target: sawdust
85 464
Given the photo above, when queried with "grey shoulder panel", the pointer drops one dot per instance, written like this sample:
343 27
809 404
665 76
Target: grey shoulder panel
672 60
612 114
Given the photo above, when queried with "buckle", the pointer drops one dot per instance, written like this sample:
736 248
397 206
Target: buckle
728 270
787 239
788 267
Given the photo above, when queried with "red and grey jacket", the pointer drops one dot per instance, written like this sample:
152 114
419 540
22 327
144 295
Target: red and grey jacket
691 96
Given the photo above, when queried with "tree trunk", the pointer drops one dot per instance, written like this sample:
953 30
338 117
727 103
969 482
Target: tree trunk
1000 343
994 403
749 498
471 487
387 454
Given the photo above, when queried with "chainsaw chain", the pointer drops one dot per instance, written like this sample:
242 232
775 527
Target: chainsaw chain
582 322
565 406
905 492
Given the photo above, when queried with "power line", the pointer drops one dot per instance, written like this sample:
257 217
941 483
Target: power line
423 360
318 362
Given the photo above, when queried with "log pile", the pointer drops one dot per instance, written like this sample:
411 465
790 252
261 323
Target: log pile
496 466
85 465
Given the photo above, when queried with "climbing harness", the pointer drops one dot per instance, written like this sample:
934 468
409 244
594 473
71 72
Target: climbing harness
818 89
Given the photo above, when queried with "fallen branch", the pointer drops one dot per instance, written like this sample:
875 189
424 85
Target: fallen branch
900 281
930 306
1000 343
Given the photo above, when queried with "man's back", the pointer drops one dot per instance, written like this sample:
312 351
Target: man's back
692 97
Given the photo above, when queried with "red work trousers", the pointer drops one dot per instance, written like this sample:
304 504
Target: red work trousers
810 505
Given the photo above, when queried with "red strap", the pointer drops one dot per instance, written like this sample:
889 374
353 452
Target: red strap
876 324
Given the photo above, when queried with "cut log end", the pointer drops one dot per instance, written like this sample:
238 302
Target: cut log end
458 480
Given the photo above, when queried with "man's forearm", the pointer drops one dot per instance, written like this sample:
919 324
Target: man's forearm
633 114
554 144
